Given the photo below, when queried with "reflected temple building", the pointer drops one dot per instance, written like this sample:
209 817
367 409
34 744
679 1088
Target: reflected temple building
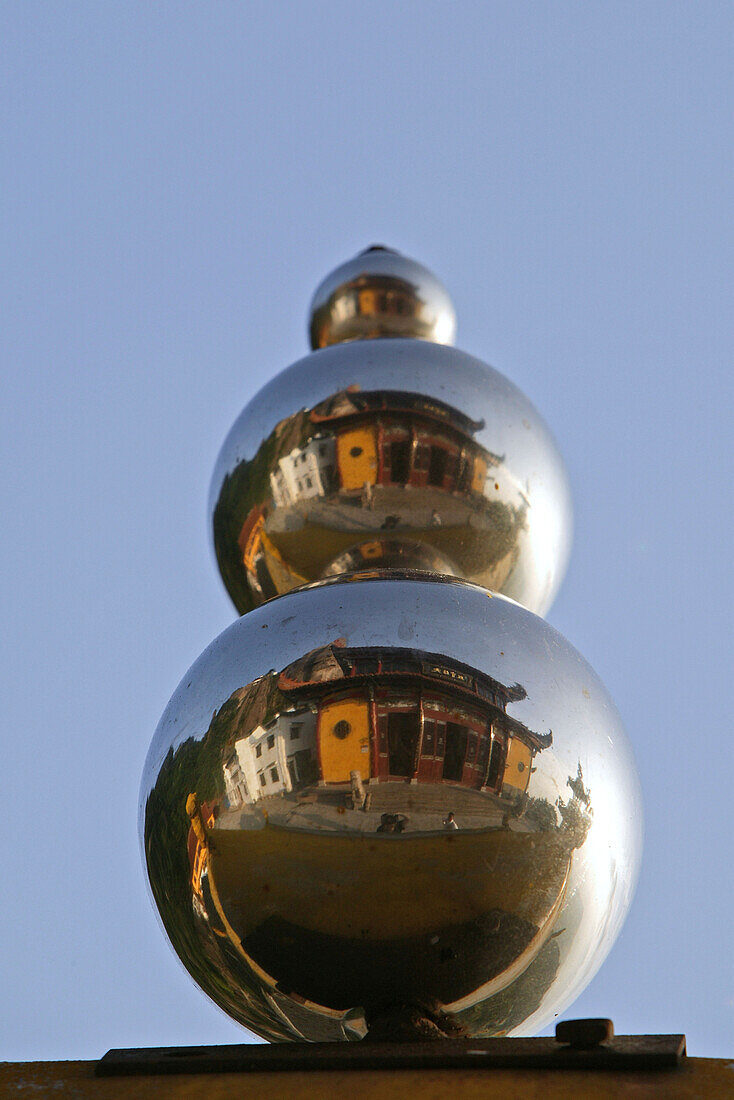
394 438
377 715
383 477
399 714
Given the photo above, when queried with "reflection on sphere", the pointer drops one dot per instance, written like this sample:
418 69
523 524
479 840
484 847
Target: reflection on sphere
380 293
460 465
374 824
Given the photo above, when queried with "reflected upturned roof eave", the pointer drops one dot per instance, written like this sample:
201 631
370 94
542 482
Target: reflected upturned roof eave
330 663
354 401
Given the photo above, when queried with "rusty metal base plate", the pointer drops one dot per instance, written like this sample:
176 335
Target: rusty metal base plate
622 1052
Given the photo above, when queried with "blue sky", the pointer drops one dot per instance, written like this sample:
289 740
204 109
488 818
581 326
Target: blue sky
175 181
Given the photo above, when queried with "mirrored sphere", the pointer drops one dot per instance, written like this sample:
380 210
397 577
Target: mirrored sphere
382 799
386 453
380 293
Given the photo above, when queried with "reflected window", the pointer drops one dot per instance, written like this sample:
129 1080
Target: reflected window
271 740
382 728
259 750
274 775
309 483
296 728
342 729
422 457
440 734
262 779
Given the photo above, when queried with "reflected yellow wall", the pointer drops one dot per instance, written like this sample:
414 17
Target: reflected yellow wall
252 546
281 573
201 856
340 756
369 301
518 754
355 469
480 474
371 551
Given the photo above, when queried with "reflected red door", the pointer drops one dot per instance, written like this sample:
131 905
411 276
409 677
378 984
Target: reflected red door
403 731
428 765
475 762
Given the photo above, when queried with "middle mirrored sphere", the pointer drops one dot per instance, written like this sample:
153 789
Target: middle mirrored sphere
390 453
378 798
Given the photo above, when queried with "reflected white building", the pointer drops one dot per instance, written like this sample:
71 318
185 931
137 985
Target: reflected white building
304 473
275 758
235 785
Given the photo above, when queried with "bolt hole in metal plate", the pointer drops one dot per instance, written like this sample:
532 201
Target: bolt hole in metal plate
623 1052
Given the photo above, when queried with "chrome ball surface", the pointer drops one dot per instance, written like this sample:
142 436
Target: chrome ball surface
384 796
380 293
390 441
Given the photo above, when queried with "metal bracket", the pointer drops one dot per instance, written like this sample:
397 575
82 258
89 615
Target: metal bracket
622 1052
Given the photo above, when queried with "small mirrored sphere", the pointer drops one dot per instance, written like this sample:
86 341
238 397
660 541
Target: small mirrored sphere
385 453
381 798
380 293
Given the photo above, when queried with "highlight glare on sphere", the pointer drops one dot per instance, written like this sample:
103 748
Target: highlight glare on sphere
385 791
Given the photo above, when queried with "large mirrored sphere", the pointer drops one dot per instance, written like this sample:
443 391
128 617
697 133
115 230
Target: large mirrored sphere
379 801
390 453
